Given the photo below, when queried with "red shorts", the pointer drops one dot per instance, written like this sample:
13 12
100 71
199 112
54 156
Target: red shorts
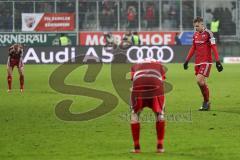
156 104
15 62
148 92
203 69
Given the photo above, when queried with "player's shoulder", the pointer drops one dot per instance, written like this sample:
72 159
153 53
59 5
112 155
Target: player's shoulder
134 66
11 47
210 33
195 33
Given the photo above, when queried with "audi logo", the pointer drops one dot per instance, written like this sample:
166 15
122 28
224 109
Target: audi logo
163 54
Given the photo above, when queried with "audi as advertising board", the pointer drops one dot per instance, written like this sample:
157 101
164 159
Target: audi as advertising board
54 55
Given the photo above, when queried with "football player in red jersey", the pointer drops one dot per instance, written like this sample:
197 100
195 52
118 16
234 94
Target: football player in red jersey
147 90
15 58
203 45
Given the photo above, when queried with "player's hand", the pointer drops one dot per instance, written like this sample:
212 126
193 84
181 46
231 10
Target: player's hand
219 66
185 65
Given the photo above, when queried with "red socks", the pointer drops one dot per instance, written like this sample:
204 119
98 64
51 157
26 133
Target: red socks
9 79
205 92
160 128
135 127
21 79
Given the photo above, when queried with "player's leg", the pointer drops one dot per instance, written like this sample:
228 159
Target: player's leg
136 107
9 77
158 104
201 81
160 129
135 128
21 77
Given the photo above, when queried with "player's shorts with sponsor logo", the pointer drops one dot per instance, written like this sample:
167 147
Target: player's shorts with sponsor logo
203 69
15 62
148 92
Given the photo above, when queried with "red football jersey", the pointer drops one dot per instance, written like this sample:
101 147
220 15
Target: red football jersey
16 52
15 57
203 44
147 79
147 69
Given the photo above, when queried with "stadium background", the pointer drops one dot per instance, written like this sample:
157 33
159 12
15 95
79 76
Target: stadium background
92 18
29 126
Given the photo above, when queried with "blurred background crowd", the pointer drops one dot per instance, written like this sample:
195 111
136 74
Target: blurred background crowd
117 15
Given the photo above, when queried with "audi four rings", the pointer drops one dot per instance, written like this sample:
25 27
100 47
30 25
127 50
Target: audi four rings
137 54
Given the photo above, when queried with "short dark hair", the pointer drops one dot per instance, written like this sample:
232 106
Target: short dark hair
198 19
135 33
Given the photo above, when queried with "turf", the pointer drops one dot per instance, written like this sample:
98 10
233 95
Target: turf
30 129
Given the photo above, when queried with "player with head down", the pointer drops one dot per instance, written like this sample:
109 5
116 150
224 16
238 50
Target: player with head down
203 45
147 90
15 58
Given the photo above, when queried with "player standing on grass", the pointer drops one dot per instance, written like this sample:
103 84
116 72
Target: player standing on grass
15 58
147 90
203 45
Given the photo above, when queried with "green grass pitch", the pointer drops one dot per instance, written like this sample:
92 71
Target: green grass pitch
29 128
